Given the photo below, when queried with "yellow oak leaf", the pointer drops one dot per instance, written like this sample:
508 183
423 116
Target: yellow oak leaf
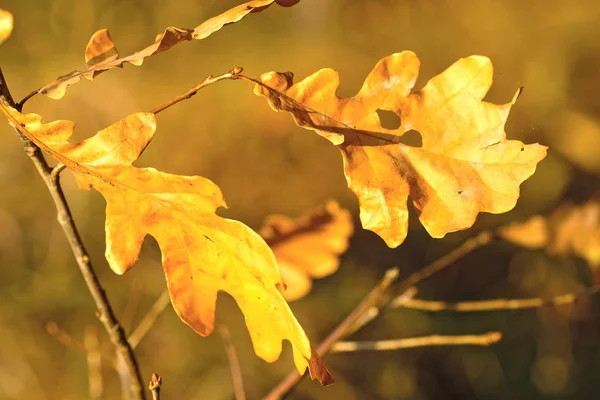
569 230
6 25
101 53
202 253
309 246
465 164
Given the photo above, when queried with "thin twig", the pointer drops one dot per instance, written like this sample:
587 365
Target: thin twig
146 323
154 386
433 340
346 325
209 80
374 311
94 360
366 311
471 244
105 312
234 363
497 304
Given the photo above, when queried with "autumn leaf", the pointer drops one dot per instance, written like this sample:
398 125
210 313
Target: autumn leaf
6 25
308 247
569 230
465 165
101 53
202 252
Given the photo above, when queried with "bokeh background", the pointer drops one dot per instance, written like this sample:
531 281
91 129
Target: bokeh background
265 164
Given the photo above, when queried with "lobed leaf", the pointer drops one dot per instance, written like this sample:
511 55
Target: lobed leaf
465 165
202 253
309 246
6 25
101 53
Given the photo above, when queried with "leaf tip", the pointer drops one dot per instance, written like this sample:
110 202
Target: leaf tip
317 369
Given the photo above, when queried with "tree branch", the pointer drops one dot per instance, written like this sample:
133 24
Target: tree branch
146 323
234 363
364 306
433 340
378 299
65 219
496 304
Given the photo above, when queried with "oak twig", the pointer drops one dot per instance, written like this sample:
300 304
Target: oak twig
146 323
496 304
378 299
471 244
154 386
209 80
346 325
433 340
234 363
105 313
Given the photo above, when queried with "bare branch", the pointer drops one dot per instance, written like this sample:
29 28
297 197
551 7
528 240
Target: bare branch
496 304
433 340
146 323
378 299
340 331
234 363
65 218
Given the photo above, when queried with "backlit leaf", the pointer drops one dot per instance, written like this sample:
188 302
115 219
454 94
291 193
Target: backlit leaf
202 252
101 53
465 165
569 230
308 247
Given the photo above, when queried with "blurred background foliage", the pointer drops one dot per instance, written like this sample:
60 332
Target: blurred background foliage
265 164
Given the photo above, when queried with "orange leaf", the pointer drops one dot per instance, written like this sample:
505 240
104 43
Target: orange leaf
309 246
101 53
569 230
202 252
6 25
465 165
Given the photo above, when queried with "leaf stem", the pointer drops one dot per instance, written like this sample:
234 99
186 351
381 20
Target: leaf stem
209 80
105 313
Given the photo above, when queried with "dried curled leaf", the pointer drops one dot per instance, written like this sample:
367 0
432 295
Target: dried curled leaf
101 53
6 25
202 252
569 230
465 165
308 247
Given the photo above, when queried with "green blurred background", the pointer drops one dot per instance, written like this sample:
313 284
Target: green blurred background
265 164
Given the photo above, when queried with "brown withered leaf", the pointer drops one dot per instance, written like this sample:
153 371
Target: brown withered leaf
202 253
101 53
308 247
465 165
6 25
569 230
